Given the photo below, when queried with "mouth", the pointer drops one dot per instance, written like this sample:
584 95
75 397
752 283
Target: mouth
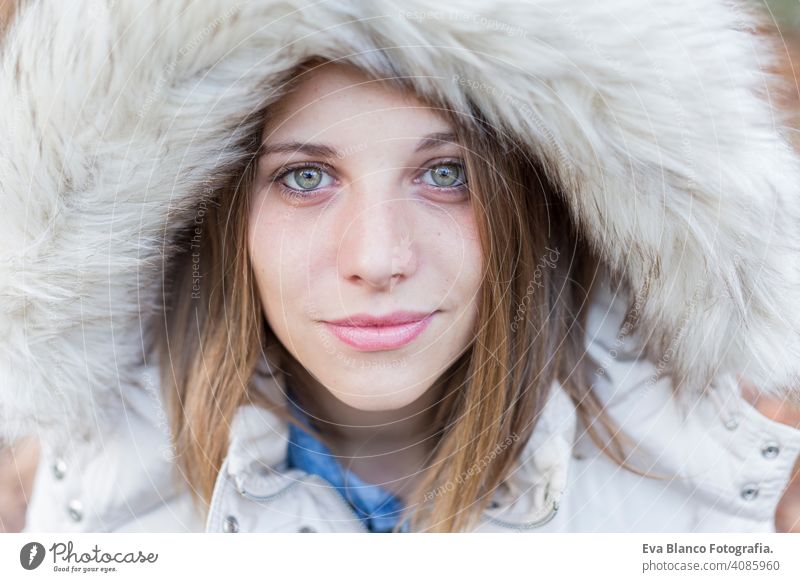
371 334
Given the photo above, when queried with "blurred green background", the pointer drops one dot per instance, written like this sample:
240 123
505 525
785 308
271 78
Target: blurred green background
785 12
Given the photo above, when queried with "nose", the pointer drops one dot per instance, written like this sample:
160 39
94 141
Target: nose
377 246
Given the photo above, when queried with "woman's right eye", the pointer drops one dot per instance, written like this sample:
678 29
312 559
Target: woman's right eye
306 178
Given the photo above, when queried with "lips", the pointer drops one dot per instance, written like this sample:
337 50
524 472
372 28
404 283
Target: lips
374 333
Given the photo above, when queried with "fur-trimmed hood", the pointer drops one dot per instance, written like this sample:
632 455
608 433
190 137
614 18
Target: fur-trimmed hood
653 118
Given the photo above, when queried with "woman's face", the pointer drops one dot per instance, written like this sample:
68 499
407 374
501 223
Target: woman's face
363 239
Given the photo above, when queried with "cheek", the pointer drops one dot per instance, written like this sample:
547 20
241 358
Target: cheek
473 255
459 248
456 265
261 235
269 246
287 253
468 285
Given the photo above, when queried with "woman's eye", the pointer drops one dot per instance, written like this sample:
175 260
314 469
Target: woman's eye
306 178
449 175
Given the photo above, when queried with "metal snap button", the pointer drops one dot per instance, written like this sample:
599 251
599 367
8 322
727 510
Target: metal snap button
75 510
230 524
749 492
770 450
59 469
307 529
732 423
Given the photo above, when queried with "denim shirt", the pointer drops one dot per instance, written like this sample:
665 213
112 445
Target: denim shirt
377 508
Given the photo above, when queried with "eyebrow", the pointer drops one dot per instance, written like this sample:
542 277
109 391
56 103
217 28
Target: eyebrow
293 147
321 150
434 140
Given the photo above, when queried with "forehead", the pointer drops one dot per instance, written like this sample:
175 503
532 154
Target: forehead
334 100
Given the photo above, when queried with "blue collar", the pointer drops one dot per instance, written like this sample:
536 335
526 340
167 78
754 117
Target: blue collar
377 508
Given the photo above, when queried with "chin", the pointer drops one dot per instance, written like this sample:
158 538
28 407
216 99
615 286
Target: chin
375 396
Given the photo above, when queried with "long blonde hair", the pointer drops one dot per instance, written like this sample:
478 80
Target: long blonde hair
214 330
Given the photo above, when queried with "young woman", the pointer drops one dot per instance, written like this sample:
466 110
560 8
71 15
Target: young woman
287 268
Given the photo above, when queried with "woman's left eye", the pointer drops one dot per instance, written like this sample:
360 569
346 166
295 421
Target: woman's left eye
306 178
445 175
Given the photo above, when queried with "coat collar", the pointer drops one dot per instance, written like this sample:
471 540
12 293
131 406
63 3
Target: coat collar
256 458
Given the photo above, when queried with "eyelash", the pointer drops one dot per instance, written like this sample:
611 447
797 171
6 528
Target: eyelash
284 171
446 162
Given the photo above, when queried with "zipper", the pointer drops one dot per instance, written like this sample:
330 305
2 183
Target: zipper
330 490
524 525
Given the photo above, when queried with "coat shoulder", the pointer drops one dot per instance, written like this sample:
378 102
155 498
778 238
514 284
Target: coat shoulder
128 480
